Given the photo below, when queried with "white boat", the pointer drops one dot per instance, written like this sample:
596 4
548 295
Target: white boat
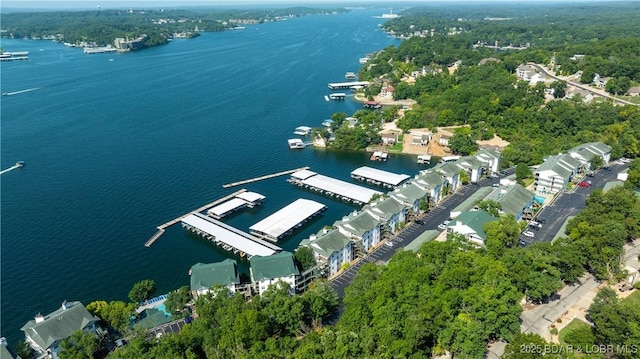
295 143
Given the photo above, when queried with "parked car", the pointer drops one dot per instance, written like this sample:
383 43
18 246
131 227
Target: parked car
591 174
522 242
541 220
388 244
419 221
528 234
606 168
535 225
443 225
583 184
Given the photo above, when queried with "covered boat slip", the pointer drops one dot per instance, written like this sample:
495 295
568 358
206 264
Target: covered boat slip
242 200
287 219
379 177
333 187
227 237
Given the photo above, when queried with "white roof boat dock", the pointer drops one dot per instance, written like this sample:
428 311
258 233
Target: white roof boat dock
295 143
287 219
424 159
227 237
302 130
244 199
348 85
337 96
379 177
379 156
333 187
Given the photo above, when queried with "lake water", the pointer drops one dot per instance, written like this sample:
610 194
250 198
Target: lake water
117 144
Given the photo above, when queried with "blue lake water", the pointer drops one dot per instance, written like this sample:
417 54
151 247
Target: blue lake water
114 148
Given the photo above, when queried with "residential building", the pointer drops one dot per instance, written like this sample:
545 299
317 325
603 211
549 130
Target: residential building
273 269
473 166
490 158
45 333
410 195
389 138
331 247
513 199
587 151
205 276
633 91
555 173
471 225
451 173
600 81
361 227
443 137
433 183
387 92
388 211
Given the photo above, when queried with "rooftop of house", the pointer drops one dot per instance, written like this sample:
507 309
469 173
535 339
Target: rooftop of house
409 193
274 266
58 325
207 275
386 207
513 198
358 223
562 165
474 220
328 243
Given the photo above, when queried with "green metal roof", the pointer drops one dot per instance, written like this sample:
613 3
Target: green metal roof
423 238
387 208
488 153
476 221
329 243
207 275
609 185
469 162
59 325
591 149
448 169
470 202
409 193
273 266
432 179
514 199
152 317
360 223
562 165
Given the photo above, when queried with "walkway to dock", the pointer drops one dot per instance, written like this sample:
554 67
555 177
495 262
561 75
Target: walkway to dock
162 227
263 177
9 169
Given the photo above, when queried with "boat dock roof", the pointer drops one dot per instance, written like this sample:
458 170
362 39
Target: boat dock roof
379 176
348 85
227 207
288 218
345 190
229 237
251 197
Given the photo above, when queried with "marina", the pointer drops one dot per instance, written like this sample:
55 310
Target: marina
286 220
227 237
242 200
379 177
332 187
262 178
348 85
161 228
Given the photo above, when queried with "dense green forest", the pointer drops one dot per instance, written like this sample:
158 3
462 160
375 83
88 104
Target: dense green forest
102 26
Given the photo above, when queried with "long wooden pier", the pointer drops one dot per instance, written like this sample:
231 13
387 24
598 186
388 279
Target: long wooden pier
161 228
264 177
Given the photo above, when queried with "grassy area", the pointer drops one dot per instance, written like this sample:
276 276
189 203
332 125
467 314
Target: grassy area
527 182
634 298
397 147
574 326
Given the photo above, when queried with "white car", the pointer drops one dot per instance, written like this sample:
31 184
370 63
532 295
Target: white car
388 244
528 234
443 225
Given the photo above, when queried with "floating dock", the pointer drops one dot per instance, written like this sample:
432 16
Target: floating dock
379 177
227 237
161 228
14 56
242 200
348 85
332 187
264 177
337 96
286 220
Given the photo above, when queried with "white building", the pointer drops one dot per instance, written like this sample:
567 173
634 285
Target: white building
587 151
490 158
330 247
473 166
388 211
361 227
433 183
555 173
273 270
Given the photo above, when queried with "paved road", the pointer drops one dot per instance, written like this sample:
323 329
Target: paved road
571 203
431 221
581 86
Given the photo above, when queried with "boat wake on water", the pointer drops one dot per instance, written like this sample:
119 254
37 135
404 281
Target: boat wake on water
19 92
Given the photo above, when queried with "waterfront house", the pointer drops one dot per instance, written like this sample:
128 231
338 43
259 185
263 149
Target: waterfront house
331 247
587 151
433 183
473 166
513 199
45 333
151 318
410 195
389 138
471 225
205 276
387 92
490 158
388 211
443 137
361 227
451 173
273 269
555 173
